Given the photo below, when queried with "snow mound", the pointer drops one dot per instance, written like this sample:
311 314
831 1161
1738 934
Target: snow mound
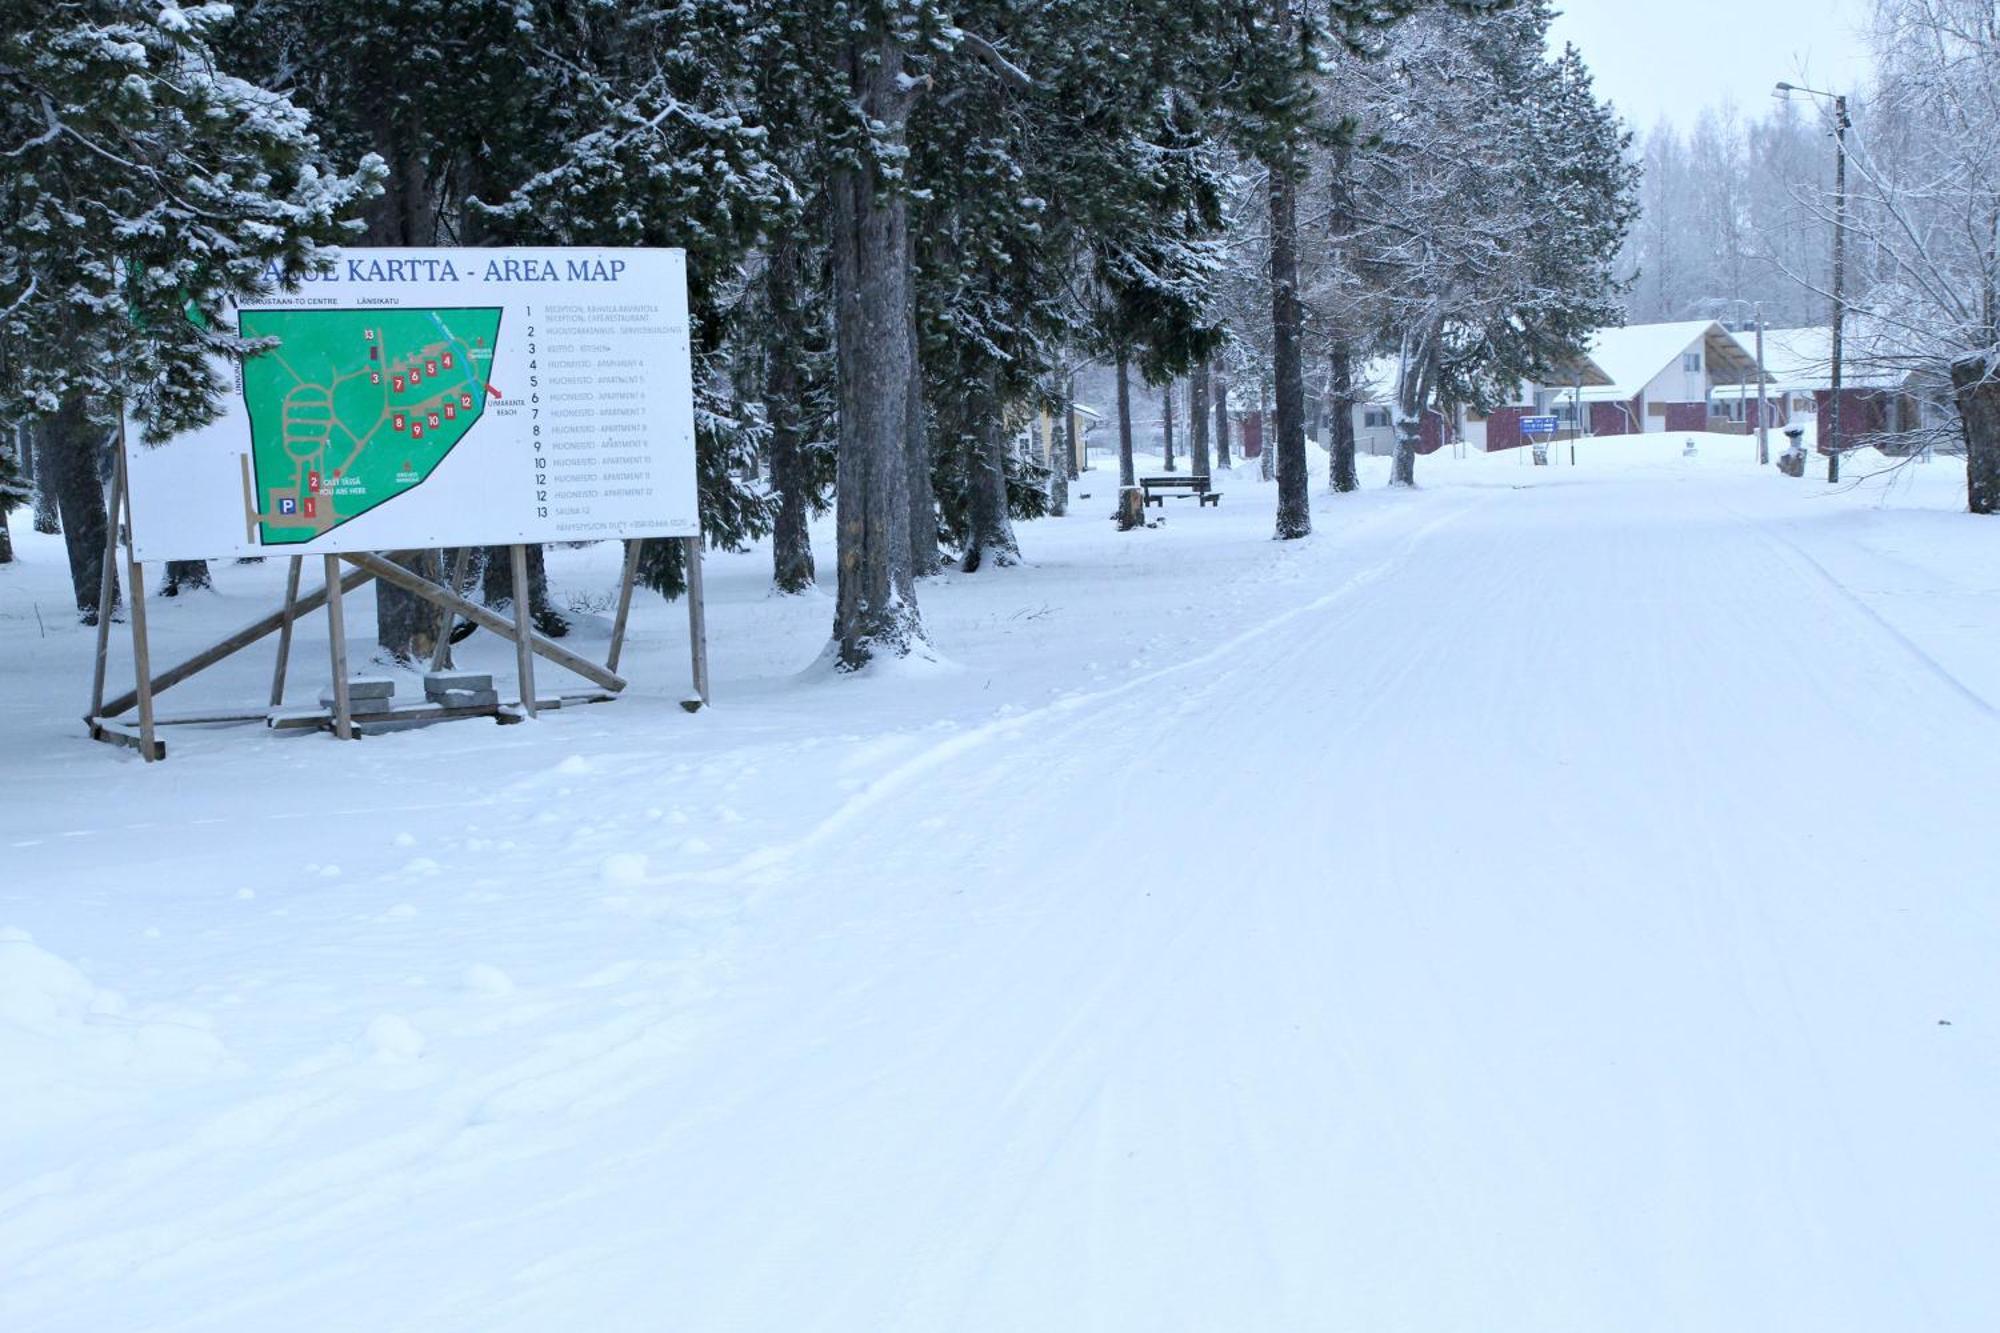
61 1031
623 869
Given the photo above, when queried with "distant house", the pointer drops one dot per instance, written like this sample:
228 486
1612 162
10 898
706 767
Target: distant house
1491 431
1798 386
1375 413
1637 379
1043 438
1662 377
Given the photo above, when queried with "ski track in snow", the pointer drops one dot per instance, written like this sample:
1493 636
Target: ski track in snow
1530 904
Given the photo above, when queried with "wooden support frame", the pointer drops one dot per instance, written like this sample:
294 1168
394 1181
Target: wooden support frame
288 615
104 721
485 618
235 643
626 580
142 665
336 639
441 654
524 652
107 586
697 627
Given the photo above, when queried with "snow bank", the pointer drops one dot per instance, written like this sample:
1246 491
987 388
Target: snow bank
72 1041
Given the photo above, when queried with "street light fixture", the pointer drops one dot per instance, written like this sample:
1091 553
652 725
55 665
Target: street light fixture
1840 126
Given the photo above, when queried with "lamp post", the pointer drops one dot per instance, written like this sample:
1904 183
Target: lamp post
1763 417
1840 125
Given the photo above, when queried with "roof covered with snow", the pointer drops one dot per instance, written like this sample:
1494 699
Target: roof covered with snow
1631 356
1801 360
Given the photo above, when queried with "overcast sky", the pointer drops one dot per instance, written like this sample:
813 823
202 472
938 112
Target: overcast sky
1673 57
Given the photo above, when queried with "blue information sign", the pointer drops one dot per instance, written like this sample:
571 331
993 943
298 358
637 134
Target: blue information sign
1538 425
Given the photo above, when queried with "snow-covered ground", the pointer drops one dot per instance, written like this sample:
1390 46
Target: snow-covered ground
1554 899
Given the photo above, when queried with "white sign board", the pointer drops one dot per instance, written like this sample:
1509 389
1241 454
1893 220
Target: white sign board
447 397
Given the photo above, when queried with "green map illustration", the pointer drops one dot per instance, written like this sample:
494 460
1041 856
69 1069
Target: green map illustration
356 407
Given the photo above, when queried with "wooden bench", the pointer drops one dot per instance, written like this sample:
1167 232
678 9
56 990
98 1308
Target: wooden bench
1178 481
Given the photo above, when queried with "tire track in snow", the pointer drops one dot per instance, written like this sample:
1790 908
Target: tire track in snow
898 779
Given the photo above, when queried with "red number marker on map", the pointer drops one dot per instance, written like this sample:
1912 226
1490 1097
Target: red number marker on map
416 430
397 382
399 421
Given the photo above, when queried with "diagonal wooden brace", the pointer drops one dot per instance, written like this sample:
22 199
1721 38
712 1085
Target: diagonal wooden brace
235 643
390 572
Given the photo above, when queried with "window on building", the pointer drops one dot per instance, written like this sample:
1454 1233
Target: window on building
1375 418
1691 362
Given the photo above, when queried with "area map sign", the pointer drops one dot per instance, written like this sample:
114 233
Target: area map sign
427 398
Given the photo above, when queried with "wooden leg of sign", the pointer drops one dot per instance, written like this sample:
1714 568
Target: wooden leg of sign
290 613
625 582
142 654
142 659
697 626
524 652
336 620
107 586
441 655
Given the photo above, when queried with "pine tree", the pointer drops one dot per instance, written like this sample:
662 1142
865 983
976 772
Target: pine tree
1489 268
147 190
798 393
14 490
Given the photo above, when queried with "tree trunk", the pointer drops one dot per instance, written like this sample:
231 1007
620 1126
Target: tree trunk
1340 456
497 589
34 448
1287 326
1413 392
991 537
875 612
1267 441
1167 426
1070 460
71 448
184 575
1977 389
406 626
1063 443
1128 477
925 558
1198 418
1222 422
1342 474
791 536
6 538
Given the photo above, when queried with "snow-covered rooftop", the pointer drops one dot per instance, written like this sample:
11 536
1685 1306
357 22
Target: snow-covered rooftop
1801 360
1634 354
